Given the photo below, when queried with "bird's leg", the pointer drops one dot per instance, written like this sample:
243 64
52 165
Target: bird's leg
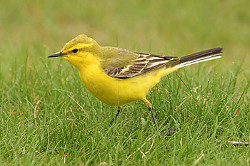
119 110
169 130
150 108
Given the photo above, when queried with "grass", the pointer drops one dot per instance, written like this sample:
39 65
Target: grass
47 117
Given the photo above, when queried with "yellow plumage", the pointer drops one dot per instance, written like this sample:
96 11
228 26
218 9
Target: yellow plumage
117 76
118 92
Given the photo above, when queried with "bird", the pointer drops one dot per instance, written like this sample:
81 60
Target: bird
117 76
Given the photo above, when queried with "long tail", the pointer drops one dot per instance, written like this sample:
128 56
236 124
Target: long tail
200 57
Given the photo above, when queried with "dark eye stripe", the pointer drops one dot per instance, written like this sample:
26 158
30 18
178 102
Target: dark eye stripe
75 50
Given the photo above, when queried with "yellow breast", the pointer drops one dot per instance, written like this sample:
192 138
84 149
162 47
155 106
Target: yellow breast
118 92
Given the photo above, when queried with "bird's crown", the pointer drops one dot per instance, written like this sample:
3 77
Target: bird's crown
81 42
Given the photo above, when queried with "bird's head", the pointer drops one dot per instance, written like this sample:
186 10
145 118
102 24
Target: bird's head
79 51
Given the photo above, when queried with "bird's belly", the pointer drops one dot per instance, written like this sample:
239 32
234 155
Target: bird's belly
117 92
114 92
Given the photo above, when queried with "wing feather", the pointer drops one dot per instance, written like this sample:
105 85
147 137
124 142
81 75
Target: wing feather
144 63
123 64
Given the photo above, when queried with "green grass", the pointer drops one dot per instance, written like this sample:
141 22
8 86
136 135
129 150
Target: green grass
47 117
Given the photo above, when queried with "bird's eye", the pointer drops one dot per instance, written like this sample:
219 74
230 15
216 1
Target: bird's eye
75 50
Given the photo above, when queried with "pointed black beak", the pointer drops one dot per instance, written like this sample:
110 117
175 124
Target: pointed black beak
57 54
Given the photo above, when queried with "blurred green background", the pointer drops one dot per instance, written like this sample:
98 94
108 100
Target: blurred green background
46 113
162 27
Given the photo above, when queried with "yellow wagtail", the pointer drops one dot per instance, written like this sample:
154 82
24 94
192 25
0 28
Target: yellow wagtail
117 76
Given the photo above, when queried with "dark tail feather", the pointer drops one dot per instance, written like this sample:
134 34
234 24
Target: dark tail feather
200 57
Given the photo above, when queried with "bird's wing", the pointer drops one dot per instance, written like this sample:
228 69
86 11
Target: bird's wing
140 63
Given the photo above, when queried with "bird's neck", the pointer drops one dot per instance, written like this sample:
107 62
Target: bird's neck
91 70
